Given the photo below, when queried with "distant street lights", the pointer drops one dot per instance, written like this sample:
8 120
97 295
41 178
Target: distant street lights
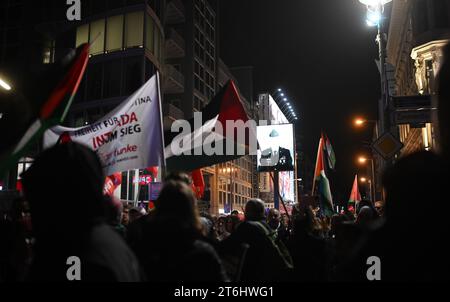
285 105
365 180
360 122
362 160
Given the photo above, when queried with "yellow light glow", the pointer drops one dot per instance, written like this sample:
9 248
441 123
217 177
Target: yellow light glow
359 122
363 179
362 160
4 85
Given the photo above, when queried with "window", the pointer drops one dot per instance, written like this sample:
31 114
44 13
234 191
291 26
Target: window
23 165
133 74
149 34
134 29
114 33
113 79
82 35
94 89
97 34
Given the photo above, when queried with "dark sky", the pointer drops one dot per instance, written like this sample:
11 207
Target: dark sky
322 54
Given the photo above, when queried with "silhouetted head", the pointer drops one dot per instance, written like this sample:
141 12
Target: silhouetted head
443 88
254 210
65 189
113 210
274 218
179 176
176 207
415 188
135 213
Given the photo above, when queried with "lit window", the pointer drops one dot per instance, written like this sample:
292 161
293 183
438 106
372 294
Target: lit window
114 34
97 37
134 29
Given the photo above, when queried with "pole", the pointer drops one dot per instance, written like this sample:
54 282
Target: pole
276 188
231 187
372 183
383 102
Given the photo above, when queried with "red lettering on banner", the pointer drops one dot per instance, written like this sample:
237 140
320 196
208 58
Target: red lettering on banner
124 150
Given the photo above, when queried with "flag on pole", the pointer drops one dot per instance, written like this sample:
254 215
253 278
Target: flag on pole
198 183
49 94
129 137
187 151
321 184
331 157
355 196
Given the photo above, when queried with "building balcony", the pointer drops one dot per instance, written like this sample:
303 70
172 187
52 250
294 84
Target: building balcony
175 45
171 113
174 80
175 12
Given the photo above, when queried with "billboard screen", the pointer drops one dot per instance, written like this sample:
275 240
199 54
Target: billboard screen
276 148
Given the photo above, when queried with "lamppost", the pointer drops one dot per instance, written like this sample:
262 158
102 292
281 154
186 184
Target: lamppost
369 182
363 160
375 10
360 122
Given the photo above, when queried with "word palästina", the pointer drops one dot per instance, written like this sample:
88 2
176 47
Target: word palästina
143 100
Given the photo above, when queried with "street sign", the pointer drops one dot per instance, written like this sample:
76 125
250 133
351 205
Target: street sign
387 146
413 117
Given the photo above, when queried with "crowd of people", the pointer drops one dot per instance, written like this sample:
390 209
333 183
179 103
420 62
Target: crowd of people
64 213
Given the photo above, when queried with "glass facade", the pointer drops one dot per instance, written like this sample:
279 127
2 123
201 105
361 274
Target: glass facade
120 32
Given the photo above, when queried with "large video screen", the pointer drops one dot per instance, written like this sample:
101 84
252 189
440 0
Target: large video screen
276 148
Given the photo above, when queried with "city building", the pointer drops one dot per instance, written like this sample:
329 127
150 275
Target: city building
269 110
235 179
131 40
418 31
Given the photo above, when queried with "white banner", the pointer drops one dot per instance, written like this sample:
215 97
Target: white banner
129 137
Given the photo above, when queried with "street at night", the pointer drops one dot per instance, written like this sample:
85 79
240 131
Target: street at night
224 142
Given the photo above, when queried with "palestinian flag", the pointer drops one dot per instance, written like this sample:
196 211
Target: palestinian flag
355 196
207 142
321 184
330 152
45 94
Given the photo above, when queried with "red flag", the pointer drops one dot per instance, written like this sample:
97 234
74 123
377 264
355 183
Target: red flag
198 183
355 196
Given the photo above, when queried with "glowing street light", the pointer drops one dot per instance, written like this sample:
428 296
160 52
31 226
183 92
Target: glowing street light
363 179
359 122
362 159
4 85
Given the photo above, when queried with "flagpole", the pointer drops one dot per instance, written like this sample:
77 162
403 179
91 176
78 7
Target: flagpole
315 170
163 159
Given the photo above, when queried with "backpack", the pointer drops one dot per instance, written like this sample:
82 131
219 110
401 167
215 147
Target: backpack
281 255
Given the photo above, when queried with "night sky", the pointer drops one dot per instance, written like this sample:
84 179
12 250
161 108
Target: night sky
321 52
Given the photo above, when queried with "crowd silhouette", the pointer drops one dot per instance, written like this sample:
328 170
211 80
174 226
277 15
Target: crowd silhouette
64 213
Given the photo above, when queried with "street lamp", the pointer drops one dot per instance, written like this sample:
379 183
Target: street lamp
375 10
362 160
360 122
365 180
5 85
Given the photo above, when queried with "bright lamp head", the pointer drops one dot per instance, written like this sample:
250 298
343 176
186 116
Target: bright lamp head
374 2
373 18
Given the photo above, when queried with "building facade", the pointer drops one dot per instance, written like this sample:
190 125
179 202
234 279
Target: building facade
418 31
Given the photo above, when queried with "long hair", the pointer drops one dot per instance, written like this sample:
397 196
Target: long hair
176 208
